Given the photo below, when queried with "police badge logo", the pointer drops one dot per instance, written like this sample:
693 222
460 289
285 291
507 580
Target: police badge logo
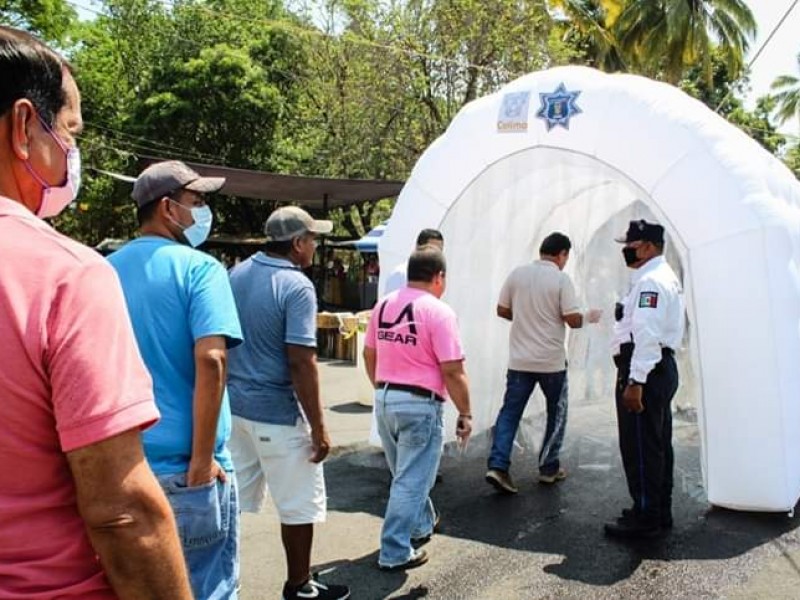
558 107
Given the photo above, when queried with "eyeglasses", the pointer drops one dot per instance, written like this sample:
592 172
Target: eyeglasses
196 197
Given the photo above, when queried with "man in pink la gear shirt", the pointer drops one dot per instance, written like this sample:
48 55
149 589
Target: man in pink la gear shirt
81 514
414 358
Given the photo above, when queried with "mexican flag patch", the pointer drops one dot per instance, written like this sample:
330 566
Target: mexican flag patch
648 300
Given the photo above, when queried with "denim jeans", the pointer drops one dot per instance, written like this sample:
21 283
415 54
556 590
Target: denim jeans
208 525
519 387
411 429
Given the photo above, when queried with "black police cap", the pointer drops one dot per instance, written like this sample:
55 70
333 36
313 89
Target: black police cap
644 231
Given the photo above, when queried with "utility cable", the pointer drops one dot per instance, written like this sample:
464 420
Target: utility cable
760 50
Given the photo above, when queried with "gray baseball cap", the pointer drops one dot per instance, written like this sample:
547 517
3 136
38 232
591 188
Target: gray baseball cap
164 178
290 222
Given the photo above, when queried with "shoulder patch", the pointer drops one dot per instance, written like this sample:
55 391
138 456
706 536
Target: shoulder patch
648 300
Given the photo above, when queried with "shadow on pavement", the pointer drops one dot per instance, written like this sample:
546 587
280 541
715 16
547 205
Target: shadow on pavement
351 408
566 519
371 582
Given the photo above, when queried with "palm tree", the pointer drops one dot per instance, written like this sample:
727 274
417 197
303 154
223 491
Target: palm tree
663 37
788 96
590 21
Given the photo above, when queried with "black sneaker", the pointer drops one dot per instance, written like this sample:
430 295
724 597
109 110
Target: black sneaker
665 521
633 528
316 589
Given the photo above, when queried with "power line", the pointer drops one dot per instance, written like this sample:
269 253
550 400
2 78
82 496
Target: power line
137 148
350 38
126 148
152 146
766 42
86 8
772 33
197 45
146 143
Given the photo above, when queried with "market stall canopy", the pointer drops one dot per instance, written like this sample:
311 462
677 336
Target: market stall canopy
367 244
314 193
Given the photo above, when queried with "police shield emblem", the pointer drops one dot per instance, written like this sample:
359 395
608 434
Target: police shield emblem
558 107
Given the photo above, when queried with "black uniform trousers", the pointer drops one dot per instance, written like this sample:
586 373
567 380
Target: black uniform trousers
645 439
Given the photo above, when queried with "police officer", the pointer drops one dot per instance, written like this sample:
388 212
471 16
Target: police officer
646 335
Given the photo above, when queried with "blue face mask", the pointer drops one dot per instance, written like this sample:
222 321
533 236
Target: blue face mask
198 232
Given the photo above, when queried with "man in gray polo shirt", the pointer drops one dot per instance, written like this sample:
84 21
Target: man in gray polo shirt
272 376
538 299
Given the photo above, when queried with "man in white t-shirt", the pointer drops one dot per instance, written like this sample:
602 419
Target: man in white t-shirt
398 279
538 299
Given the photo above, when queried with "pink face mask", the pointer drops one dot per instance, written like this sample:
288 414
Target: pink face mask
57 198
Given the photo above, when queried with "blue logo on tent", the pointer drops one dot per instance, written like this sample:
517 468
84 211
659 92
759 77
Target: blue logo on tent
558 107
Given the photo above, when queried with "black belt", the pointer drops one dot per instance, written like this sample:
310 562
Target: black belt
628 347
411 389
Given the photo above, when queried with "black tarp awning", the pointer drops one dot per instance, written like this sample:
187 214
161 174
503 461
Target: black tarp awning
315 193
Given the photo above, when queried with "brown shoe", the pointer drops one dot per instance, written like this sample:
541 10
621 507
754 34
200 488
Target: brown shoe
557 476
501 480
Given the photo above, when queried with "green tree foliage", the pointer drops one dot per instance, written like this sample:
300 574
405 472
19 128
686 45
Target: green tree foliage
792 159
588 25
355 88
199 81
50 19
386 79
724 92
665 36
787 96
661 38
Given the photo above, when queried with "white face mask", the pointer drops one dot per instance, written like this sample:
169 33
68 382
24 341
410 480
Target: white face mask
198 232
57 198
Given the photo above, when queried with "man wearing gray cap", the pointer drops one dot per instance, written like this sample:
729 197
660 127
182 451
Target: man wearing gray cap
279 436
185 320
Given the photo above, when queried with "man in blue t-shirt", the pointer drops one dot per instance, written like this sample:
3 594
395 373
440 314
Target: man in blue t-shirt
184 317
272 375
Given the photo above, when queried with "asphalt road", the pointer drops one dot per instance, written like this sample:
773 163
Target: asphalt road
545 542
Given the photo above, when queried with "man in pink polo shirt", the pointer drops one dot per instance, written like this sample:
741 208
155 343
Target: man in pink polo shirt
414 358
81 514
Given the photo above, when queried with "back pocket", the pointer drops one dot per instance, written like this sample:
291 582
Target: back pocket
202 513
415 429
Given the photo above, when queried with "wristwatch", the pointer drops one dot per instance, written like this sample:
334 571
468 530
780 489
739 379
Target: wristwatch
634 382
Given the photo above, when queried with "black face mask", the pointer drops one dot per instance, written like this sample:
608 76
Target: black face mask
630 255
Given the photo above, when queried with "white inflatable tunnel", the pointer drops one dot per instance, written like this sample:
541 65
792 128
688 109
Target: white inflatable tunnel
575 150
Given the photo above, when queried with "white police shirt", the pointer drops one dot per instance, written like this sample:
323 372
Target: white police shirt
397 279
653 317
